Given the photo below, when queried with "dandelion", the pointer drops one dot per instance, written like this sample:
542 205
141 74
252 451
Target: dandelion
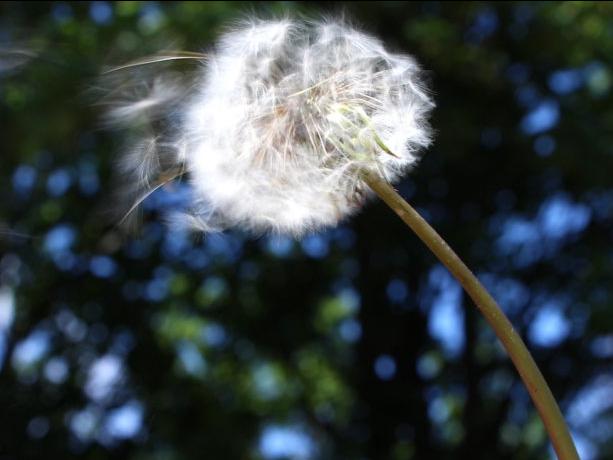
277 128
289 127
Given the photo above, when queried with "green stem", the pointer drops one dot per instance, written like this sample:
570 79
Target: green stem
524 363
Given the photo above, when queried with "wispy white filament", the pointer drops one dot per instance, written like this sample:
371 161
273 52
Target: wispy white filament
277 126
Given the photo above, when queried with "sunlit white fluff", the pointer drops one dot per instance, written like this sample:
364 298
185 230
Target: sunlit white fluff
279 123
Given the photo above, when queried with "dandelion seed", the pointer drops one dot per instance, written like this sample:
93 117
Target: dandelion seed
277 127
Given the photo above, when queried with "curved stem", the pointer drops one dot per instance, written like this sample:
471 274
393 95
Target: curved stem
524 363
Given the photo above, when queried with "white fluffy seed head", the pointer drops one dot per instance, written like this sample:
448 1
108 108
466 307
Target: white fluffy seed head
283 119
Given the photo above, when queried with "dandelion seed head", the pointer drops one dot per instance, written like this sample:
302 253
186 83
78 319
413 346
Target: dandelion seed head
281 121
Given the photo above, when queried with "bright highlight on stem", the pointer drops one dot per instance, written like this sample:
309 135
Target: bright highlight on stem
524 363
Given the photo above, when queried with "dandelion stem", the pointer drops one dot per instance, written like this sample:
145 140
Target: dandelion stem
524 363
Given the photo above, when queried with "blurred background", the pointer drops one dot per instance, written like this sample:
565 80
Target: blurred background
350 344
